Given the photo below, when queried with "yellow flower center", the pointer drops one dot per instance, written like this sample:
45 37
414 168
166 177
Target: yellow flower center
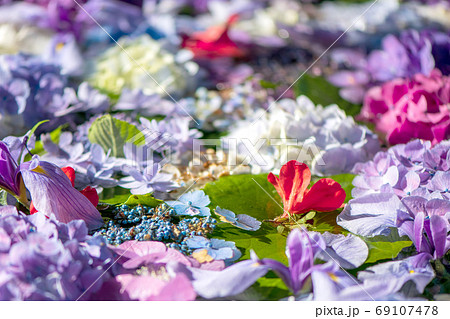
39 170
202 256
333 277
59 46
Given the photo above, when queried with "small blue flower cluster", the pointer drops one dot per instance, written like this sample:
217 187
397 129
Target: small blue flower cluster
157 224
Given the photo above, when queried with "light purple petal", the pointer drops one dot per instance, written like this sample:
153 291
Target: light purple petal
439 229
53 193
418 230
396 273
247 222
228 282
349 251
370 215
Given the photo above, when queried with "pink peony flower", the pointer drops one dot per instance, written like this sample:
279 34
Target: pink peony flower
406 109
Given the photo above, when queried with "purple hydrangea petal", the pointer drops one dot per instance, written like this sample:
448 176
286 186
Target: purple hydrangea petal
370 215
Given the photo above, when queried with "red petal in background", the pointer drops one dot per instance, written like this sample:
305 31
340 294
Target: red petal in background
214 42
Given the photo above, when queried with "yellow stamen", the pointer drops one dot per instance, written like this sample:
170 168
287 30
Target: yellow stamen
333 277
39 170
202 256
23 194
59 46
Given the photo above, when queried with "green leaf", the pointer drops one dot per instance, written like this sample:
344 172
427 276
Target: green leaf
245 194
266 242
270 287
3 196
114 196
320 91
31 132
112 134
268 85
119 195
385 250
392 237
326 221
146 200
386 247
255 196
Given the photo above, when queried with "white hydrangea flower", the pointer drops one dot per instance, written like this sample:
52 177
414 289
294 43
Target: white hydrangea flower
15 38
322 137
142 64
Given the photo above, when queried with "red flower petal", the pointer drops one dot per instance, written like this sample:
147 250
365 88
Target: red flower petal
325 195
292 183
214 42
70 173
295 178
33 209
91 194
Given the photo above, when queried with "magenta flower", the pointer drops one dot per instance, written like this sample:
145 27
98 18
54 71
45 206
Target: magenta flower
406 109
401 56
52 193
158 272
157 285
135 254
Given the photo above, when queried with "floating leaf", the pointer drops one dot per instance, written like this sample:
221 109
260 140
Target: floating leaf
255 196
385 250
115 195
326 221
118 195
270 287
266 242
112 134
245 194
310 215
146 200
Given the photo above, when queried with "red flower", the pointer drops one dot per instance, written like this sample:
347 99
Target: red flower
325 195
89 192
214 42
